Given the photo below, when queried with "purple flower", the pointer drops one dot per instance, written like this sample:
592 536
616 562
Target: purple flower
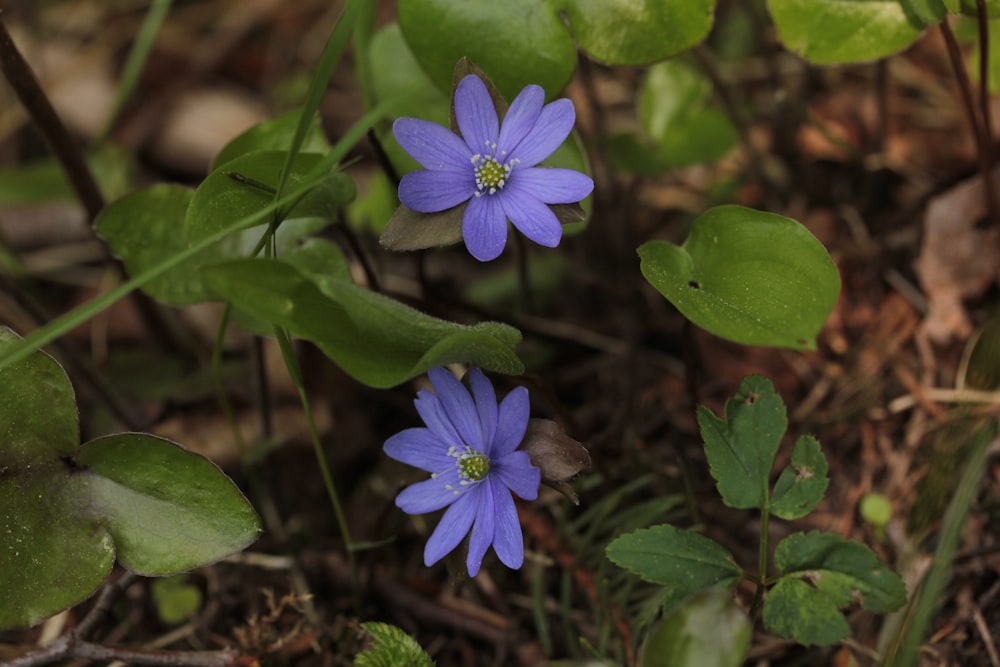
470 448
492 167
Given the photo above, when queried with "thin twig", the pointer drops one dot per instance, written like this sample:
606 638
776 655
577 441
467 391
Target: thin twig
982 144
66 150
984 78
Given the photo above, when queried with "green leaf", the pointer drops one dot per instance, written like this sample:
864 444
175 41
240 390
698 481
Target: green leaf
710 630
375 339
44 181
796 610
391 647
752 277
822 572
637 32
969 8
526 41
682 560
176 600
801 485
844 31
65 511
516 42
273 134
167 509
924 12
741 449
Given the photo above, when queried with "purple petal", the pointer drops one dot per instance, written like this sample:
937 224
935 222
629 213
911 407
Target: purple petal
476 115
484 227
432 412
532 218
507 539
482 531
553 125
433 146
432 191
453 527
459 407
486 405
421 448
550 185
517 474
432 494
512 421
521 117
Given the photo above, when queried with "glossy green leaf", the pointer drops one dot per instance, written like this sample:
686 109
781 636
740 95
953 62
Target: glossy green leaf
515 42
752 277
273 134
821 573
843 31
527 41
637 32
65 511
741 449
709 630
684 561
167 509
375 339
801 485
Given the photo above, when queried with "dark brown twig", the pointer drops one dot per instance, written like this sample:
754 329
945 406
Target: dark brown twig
984 77
982 142
66 150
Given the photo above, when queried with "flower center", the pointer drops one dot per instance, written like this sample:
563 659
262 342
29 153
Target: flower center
472 466
491 173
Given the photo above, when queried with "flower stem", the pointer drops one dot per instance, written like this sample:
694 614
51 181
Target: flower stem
288 354
758 596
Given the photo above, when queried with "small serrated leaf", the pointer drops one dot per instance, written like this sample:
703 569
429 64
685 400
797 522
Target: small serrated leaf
682 560
801 485
741 449
391 647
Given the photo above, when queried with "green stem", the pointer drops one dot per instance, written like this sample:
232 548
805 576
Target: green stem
288 354
758 596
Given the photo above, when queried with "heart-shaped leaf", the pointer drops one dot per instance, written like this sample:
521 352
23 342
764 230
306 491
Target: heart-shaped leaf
273 134
65 511
752 277
375 339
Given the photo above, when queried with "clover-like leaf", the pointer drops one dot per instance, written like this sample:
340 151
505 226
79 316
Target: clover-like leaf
748 276
375 339
741 449
821 573
801 485
684 561
66 511
845 31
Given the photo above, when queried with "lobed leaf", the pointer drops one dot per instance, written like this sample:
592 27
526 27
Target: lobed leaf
748 276
66 511
741 449
801 485
822 572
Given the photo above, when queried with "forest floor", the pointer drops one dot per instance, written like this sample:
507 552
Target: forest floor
877 160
